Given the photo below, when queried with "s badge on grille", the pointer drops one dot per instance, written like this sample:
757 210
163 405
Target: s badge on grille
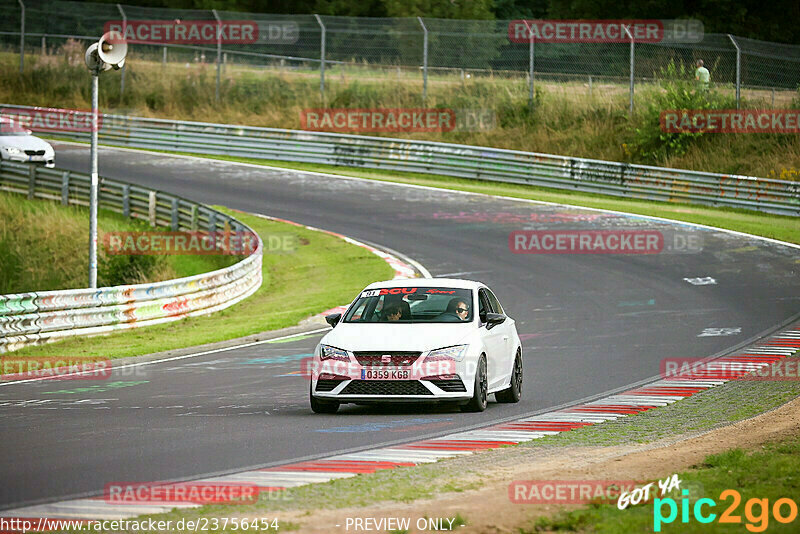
386 358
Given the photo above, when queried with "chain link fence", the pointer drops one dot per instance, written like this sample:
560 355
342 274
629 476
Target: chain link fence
415 51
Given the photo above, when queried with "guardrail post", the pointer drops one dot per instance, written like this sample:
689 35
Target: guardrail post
424 61
31 181
212 222
124 33
126 200
65 188
174 215
21 37
219 52
193 218
738 68
151 208
321 59
164 57
632 65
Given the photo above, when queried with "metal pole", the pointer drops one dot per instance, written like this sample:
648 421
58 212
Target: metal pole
321 58
738 68
44 45
124 34
632 66
21 37
424 61
164 58
531 59
93 190
219 51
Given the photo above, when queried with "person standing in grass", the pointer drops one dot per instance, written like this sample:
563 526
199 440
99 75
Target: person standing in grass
701 75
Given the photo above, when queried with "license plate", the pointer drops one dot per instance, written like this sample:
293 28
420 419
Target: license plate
385 374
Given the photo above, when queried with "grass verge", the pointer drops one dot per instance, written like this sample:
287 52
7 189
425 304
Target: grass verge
43 246
767 475
337 269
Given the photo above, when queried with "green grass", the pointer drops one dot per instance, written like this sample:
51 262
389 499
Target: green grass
771 473
44 246
324 271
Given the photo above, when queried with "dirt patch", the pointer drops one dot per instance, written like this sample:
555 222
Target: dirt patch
489 510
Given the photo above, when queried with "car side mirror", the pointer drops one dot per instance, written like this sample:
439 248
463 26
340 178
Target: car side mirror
333 319
494 319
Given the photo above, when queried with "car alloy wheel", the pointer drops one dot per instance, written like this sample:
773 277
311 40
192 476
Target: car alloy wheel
514 391
480 393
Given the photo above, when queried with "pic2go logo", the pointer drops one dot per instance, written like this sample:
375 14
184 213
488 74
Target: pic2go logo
757 522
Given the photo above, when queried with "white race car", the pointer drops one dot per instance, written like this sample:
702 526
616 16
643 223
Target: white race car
17 144
420 340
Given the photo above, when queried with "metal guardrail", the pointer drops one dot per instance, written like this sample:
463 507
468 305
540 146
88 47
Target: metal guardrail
462 161
44 316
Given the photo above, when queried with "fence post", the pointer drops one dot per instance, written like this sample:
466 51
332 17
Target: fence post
21 37
590 86
193 218
424 61
164 57
151 208
531 59
65 188
44 45
126 200
632 66
31 181
212 222
124 33
321 59
174 215
219 52
738 68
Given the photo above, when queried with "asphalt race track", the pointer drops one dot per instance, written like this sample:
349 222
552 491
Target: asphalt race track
590 323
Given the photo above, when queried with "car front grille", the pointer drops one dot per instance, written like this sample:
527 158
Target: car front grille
385 387
34 152
329 384
451 386
396 359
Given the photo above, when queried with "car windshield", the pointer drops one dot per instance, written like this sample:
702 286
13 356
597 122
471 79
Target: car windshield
412 305
10 128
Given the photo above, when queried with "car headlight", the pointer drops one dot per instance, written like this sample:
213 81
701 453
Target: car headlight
456 353
332 353
12 150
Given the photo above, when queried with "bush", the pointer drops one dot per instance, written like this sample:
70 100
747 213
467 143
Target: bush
679 92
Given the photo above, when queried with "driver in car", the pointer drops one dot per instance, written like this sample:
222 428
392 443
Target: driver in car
457 310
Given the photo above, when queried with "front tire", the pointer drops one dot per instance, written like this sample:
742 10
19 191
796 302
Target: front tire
480 393
321 406
513 393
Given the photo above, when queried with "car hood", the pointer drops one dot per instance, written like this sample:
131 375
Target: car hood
24 142
397 337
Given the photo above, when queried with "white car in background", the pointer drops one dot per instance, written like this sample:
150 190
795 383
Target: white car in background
420 340
17 144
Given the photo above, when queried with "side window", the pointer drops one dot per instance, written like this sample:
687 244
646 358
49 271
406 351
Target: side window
483 304
494 303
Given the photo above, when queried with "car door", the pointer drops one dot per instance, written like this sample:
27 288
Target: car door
506 330
493 341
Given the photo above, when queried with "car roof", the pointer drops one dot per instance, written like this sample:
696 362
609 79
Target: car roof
427 282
